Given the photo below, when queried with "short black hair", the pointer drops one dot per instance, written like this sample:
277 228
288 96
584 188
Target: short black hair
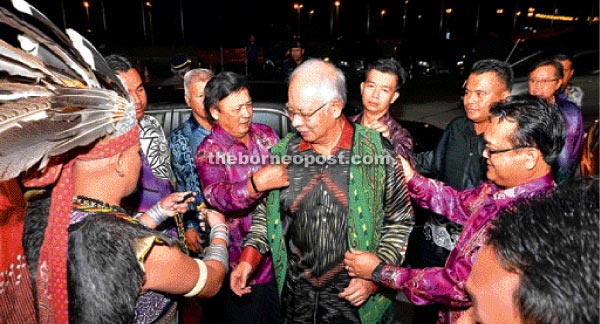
552 243
549 62
392 67
540 125
221 86
118 63
563 58
502 69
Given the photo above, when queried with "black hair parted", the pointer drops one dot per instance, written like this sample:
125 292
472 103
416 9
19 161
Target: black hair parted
221 86
392 67
540 124
559 72
502 69
118 63
552 242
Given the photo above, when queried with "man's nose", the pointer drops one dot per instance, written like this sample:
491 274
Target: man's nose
297 120
247 111
375 93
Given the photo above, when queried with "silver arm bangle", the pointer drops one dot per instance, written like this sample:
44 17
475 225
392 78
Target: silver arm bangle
217 252
220 225
157 214
220 231
220 235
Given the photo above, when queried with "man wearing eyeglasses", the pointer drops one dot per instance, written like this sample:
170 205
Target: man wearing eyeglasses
523 139
329 207
545 81
457 160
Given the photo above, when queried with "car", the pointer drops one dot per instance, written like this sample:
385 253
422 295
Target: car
274 114
171 115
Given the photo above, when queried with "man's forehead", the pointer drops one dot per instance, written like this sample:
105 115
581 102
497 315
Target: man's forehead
499 130
373 74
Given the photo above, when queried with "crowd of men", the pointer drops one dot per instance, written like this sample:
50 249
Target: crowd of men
510 225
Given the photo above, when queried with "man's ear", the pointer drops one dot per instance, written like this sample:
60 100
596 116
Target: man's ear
505 94
118 161
396 96
187 101
532 158
214 112
337 106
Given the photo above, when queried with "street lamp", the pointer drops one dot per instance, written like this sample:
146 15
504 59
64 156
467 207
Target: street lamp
86 5
298 7
404 16
148 5
382 13
337 17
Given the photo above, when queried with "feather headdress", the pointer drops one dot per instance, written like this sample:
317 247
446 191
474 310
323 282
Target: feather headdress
56 92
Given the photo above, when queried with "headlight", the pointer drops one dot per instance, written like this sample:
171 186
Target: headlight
423 63
344 64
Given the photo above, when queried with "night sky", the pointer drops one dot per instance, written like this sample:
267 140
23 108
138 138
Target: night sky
208 24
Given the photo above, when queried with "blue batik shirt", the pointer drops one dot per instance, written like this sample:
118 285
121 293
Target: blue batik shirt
183 142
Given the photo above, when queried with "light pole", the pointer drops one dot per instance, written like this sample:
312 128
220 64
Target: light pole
310 18
148 4
382 14
103 15
64 16
337 17
86 6
404 16
298 7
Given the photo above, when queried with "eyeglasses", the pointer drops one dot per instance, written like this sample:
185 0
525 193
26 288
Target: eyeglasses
291 113
488 152
544 81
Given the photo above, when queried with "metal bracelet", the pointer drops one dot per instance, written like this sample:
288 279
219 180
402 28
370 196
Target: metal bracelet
157 214
217 252
220 235
220 225
220 231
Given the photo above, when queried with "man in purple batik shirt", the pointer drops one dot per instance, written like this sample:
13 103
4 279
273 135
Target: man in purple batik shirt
234 171
545 80
379 91
522 141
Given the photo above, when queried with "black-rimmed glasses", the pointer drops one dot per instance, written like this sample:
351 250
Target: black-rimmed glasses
291 113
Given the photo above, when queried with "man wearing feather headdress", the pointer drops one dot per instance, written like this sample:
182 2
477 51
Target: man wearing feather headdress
67 125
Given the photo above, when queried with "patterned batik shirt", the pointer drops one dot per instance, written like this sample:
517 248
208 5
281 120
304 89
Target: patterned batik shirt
183 142
473 208
568 159
314 213
225 183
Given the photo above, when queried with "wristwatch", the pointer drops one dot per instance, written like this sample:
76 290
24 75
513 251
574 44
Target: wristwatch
376 274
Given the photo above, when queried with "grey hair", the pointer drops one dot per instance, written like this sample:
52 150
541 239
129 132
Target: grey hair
196 75
332 85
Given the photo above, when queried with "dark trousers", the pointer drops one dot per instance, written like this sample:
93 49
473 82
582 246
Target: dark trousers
261 306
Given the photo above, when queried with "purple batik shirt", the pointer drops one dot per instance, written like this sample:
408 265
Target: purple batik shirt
224 166
475 209
399 136
568 159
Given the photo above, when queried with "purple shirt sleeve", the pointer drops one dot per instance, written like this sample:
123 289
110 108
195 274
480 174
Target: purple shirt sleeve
434 195
568 158
432 285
